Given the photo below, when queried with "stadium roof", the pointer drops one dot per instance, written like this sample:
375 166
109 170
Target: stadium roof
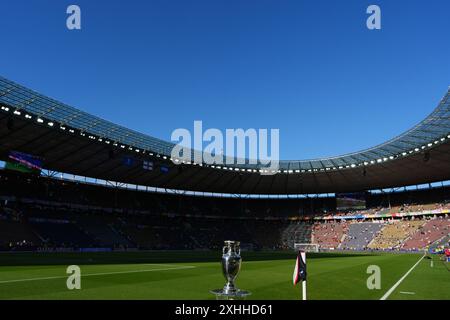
72 141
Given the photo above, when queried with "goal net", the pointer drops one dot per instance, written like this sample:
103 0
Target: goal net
307 247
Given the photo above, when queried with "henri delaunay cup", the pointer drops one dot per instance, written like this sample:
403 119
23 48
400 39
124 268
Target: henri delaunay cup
231 265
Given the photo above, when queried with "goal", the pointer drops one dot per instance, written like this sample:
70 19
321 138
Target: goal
307 247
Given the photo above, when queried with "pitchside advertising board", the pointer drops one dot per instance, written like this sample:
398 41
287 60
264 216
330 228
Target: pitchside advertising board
351 201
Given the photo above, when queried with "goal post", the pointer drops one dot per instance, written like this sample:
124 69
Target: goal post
307 247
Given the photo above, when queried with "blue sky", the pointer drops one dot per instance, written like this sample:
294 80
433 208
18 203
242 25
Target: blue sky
308 67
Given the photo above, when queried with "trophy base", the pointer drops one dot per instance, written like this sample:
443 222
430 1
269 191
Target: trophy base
237 294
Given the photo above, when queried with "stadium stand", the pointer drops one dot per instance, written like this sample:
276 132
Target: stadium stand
394 233
329 235
430 232
360 234
62 234
296 232
17 236
48 212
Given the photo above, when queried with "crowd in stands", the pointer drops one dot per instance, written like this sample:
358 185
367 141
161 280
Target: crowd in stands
359 235
428 233
41 213
392 235
329 235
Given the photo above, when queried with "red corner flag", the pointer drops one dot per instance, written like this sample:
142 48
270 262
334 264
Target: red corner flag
300 268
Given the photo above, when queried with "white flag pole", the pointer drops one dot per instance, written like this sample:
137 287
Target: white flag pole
304 282
304 290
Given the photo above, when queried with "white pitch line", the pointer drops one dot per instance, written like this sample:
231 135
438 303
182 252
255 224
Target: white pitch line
96 274
389 292
406 292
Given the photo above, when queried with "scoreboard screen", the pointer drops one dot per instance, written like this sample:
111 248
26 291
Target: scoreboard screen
351 201
23 162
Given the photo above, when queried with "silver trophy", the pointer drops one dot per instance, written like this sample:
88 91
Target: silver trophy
231 265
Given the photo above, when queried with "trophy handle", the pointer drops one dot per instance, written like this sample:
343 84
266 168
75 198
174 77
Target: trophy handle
238 250
224 250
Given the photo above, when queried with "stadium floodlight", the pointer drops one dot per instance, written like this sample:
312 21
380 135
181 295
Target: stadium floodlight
448 136
28 116
39 120
50 124
17 112
71 131
353 165
430 144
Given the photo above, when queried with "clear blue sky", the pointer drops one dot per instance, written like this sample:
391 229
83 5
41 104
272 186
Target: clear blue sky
308 67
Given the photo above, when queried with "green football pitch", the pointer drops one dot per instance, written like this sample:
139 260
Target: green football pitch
192 274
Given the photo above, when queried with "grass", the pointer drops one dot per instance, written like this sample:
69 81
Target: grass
191 275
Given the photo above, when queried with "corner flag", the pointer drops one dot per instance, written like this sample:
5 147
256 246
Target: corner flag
300 268
300 272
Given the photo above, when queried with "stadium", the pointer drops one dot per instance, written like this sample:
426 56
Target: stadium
96 205
76 189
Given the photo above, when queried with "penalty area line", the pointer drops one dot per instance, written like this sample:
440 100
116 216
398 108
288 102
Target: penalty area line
97 274
389 292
